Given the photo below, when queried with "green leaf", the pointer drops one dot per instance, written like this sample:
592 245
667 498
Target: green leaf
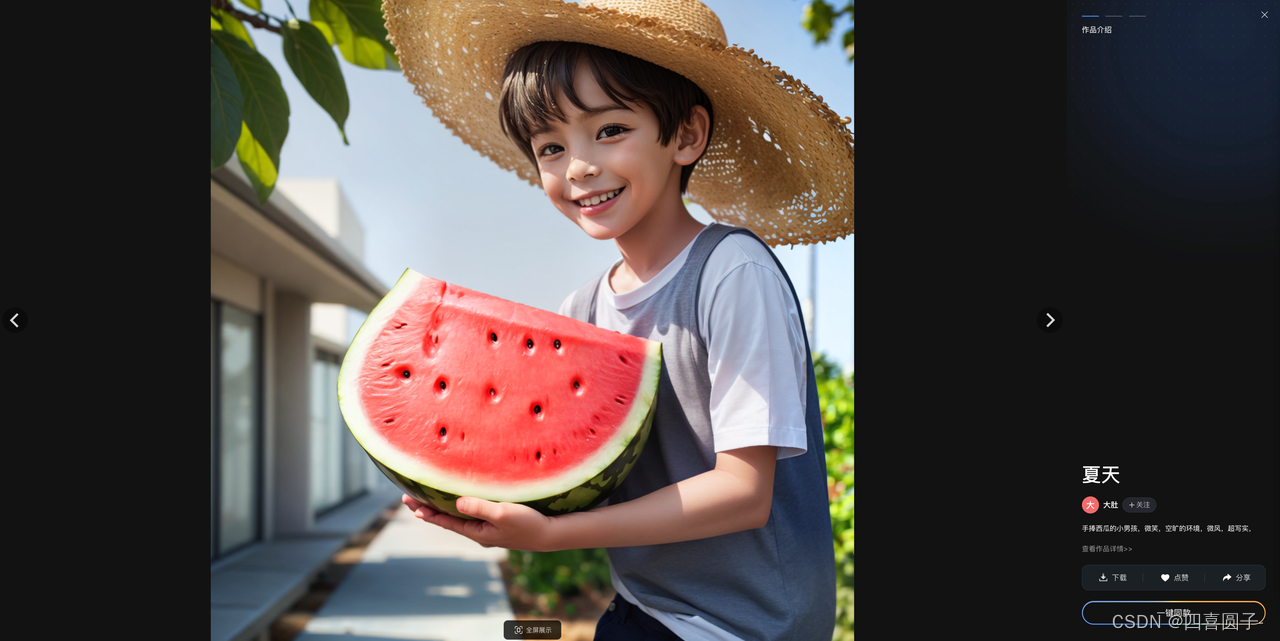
224 109
330 21
233 26
256 5
266 107
311 58
816 19
364 52
366 16
848 44
359 30
257 164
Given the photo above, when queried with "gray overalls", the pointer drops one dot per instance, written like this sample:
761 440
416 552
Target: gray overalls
771 583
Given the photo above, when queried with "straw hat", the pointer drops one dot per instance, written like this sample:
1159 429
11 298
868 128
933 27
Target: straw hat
779 161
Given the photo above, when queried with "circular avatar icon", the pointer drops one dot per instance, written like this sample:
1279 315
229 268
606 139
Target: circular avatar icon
1089 504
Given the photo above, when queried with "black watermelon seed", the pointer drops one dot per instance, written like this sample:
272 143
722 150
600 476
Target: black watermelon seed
529 343
493 337
575 385
537 409
441 384
492 392
406 373
539 456
557 343
442 431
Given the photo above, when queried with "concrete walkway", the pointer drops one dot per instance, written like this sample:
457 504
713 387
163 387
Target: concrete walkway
417 581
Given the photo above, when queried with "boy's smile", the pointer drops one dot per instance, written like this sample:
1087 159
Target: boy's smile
596 203
605 169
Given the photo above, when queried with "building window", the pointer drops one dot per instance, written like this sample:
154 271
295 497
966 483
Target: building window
235 429
339 466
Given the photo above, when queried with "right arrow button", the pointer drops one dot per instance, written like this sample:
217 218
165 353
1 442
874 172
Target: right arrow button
1049 319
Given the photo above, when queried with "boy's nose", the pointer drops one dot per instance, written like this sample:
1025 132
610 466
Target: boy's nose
580 170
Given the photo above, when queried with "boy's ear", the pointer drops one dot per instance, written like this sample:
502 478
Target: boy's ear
692 139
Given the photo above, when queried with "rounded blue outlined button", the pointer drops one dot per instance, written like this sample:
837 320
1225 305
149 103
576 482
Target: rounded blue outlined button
1190 615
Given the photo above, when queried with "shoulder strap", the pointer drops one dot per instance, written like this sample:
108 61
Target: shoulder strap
714 236
813 412
595 292
583 307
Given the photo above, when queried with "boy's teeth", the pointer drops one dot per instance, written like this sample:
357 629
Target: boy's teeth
596 200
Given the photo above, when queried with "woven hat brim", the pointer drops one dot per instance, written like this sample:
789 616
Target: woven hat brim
779 162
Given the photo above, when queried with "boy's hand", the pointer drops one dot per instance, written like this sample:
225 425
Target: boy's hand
507 525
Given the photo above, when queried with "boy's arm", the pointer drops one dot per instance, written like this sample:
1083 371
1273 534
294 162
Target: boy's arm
735 496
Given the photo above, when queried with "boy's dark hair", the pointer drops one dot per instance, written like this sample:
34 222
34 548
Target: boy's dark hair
536 73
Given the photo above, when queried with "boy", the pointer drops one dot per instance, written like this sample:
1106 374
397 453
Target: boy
722 529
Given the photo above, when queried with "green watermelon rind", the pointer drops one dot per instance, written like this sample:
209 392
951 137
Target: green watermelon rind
565 493
579 499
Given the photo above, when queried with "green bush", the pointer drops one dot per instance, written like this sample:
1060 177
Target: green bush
555 575
835 395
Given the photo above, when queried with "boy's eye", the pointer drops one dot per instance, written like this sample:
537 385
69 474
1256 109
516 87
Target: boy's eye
551 150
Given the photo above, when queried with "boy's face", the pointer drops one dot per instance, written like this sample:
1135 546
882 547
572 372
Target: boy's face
600 153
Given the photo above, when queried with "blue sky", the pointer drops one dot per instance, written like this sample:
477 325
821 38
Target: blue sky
428 202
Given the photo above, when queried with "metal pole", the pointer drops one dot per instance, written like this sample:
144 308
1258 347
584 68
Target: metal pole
813 296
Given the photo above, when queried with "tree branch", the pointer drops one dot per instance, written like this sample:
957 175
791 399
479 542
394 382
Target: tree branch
225 5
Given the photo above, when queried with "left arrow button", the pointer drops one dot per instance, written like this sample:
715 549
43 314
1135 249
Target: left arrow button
15 320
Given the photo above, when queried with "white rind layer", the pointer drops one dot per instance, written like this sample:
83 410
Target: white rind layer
423 472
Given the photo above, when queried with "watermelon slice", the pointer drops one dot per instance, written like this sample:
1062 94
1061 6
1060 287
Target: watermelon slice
456 393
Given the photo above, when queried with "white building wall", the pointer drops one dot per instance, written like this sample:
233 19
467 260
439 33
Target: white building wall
329 322
231 283
322 200
332 326
350 233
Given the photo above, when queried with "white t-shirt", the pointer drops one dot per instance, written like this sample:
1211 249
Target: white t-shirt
755 358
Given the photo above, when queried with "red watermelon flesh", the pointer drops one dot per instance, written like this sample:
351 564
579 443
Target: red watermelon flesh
453 392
